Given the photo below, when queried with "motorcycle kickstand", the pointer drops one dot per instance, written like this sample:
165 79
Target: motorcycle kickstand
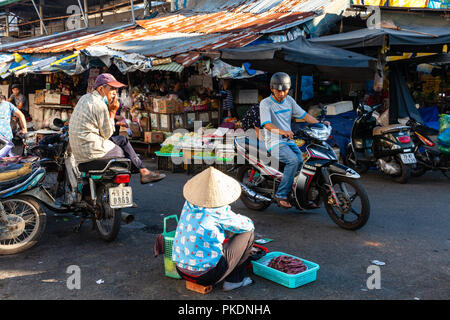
78 227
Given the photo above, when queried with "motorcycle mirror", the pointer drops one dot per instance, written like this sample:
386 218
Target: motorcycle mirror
58 123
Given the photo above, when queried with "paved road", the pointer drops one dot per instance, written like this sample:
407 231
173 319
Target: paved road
408 230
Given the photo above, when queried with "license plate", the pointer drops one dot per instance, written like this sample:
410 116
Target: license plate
408 158
120 197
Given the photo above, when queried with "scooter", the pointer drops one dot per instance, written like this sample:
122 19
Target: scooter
426 150
390 148
97 189
22 221
321 178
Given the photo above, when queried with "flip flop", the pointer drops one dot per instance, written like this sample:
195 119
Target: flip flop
278 200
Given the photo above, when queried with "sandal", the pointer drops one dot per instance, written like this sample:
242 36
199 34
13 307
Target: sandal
279 200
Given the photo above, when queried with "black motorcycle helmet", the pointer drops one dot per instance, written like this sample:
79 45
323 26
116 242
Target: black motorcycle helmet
280 81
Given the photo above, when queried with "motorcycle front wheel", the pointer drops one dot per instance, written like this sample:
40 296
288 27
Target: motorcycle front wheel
35 220
354 209
108 224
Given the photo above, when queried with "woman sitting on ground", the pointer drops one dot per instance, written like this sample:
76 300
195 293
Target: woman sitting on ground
198 248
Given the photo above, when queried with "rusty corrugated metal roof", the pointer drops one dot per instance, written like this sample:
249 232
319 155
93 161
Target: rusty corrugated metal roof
203 27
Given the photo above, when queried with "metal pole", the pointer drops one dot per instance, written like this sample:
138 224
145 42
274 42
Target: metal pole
132 12
86 13
39 13
82 12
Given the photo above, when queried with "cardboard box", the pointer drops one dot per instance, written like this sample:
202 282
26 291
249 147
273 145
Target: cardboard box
136 130
339 107
39 97
163 106
165 122
178 121
154 136
52 98
154 121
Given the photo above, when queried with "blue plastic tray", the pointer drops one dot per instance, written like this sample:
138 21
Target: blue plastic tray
261 269
161 154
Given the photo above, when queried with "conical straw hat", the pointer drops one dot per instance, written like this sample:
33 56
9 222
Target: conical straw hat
211 189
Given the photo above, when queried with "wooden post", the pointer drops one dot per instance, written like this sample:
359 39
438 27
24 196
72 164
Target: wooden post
7 23
41 15
101 11
147 7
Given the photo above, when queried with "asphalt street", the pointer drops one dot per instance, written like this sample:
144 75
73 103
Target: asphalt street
408 231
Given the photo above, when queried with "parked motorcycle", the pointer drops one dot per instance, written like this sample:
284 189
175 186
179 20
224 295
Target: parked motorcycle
390 147
97 189
22 221
321 178
426 150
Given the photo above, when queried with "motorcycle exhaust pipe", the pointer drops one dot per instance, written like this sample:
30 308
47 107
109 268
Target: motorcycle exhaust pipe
127 218
252 194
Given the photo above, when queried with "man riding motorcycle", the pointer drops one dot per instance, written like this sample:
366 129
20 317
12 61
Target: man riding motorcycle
276 112
92 126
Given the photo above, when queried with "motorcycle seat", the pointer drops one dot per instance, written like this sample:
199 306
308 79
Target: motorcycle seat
14 171
256 147
100 164
378 131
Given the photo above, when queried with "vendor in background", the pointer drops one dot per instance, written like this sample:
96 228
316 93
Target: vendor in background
163 89
227 95
19 100
178 90
251 120
198 250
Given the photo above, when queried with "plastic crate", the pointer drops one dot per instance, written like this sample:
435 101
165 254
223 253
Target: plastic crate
261 269
169 265
165 162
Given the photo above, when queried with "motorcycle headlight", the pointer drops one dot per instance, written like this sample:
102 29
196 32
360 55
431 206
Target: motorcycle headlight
321 134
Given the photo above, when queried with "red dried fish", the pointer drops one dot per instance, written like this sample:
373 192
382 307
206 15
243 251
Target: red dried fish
287 264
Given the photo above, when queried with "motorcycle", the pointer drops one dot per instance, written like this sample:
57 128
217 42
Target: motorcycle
321 179
22 220
97 189
390 147
426 150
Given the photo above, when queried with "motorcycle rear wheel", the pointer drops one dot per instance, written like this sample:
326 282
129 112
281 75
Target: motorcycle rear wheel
35 221
418 171
242 176
108 226
405 173
359 192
